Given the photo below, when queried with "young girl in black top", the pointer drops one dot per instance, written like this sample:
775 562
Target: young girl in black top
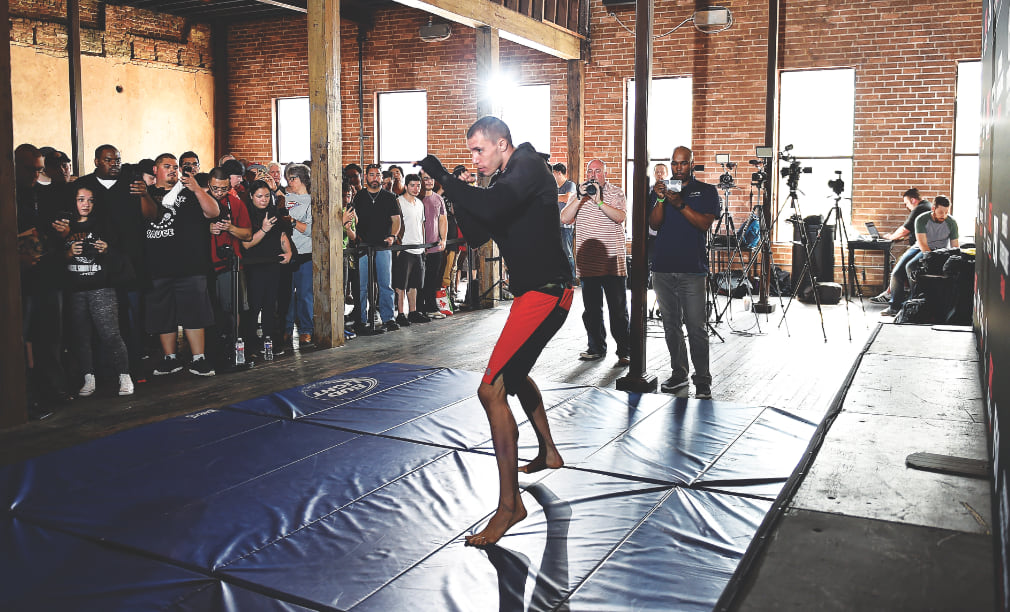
92 295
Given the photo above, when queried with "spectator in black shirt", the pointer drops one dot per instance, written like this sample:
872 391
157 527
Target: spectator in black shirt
177 255
377 227
121 200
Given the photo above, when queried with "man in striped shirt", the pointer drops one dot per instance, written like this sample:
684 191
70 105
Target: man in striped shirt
600 261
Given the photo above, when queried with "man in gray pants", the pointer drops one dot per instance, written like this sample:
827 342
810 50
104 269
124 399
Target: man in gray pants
683 213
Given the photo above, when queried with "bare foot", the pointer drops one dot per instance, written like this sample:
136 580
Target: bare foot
501 522
542 462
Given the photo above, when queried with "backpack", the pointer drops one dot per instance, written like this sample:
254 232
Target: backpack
750 234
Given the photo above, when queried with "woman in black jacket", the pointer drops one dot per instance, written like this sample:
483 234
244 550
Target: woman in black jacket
91 267
264 254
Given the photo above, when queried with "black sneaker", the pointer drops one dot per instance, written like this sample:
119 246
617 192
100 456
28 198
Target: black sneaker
402 320
391 325
703 392
367 330
418 317
671 385
167 365
201 367
883 298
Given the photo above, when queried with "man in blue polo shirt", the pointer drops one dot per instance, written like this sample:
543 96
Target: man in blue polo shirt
681 218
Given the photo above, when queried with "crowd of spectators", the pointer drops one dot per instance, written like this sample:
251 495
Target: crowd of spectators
115 263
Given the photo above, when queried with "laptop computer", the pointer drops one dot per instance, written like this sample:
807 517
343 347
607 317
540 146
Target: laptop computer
874 233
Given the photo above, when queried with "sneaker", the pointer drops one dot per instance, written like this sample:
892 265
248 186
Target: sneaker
89 386
125 384
418 317
349 334
702 392
402 320
671 385
367 330
391 325
168 365
623 362
201 367
883 298
590 356
888 312
305 340
436 315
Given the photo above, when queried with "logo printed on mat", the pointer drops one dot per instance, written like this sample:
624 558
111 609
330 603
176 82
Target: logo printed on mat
339 388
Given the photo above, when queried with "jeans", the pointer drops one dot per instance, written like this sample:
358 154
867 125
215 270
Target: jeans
301 303
681 299
384 277
567 235
615 288
900 276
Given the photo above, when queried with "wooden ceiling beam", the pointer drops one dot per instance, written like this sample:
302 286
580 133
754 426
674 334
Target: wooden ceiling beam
542 36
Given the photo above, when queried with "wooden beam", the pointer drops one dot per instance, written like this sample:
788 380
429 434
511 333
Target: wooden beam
327 202
487 66
13 406
76 97
219 50
637 380
575 122
539 35
284 5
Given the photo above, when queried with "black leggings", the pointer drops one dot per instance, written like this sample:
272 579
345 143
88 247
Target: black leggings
98 307
261 285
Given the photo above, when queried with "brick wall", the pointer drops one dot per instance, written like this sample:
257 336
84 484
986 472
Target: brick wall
142 36
905 56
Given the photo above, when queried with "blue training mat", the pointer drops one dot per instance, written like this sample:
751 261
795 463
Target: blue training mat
355 493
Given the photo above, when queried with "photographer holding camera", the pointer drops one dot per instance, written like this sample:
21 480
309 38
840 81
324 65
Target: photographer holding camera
598 211
91 281
176 252
683 214
227 233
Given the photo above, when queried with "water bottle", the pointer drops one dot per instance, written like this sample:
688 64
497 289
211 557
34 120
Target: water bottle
268 349
239 352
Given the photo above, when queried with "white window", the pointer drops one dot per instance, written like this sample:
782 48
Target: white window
816 116
527 112
402 127
670 106
964 192
291 139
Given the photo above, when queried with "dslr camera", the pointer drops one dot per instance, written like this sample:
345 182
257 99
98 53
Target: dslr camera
589 188
89 248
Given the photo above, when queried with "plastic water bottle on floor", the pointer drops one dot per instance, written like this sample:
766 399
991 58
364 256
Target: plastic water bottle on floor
268 349
239 351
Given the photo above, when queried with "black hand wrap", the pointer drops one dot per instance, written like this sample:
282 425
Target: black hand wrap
434 168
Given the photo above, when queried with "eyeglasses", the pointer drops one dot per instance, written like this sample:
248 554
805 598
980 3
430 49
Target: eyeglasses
219 189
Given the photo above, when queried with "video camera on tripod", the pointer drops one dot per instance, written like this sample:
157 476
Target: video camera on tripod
792 172
726 180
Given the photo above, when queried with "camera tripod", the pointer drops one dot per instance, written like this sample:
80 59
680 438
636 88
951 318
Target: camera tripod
849 269
807 269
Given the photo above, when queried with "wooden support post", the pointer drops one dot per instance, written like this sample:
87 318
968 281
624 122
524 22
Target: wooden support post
76 97
637 380
576 120
219 49
763 306
487 104
13 407
327 202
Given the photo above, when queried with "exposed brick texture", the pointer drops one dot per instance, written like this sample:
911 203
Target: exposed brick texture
113 31
905 57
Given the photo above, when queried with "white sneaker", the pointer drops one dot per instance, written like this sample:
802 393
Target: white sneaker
89 386
125 384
